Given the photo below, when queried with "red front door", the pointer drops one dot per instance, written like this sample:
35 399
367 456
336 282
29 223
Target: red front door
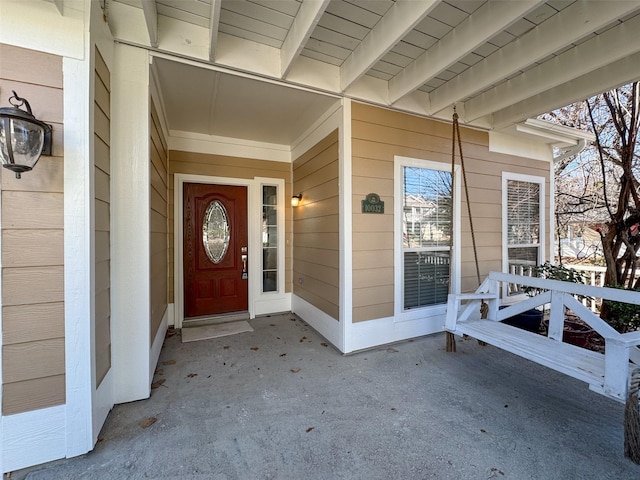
215 249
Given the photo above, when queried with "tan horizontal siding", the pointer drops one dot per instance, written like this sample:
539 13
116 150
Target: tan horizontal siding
377 136
33 394
159 241
102 185
321 256
25 210
30 323
362 314
30 66
24 248
101 154
38 359
46 102
29 285
33 246
48 177
316 273
102 215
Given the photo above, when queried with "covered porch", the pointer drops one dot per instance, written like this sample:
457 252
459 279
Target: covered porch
238 407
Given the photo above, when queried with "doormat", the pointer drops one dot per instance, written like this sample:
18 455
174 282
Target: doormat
205 332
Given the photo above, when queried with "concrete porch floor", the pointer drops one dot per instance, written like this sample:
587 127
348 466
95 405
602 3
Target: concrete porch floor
279 403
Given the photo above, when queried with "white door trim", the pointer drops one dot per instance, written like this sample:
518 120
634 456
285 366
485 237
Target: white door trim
178 281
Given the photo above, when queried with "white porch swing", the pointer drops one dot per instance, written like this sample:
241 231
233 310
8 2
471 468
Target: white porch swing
478 315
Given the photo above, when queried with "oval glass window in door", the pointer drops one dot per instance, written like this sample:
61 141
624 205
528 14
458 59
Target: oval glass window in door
216 231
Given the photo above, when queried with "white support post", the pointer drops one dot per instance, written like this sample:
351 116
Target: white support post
616 369
452 312
556 318
494 290
130 198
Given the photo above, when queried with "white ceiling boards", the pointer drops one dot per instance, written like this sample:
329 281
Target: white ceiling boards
208 102
498 61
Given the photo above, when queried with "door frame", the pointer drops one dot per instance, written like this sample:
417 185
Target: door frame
258 303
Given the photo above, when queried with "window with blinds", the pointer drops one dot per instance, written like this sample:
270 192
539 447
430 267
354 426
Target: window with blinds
427 219
523 226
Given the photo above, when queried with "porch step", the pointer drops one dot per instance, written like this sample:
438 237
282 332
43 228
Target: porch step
580 363
214 319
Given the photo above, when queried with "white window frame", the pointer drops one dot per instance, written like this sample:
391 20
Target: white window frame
506 176
401 315
280 208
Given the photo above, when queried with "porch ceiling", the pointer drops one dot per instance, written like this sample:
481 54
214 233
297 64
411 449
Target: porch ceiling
231 106
498 61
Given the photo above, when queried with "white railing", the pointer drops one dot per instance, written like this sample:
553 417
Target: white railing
609 372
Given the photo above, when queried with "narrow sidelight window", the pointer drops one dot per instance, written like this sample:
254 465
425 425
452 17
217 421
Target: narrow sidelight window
269 238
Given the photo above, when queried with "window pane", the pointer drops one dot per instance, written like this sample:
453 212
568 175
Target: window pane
269 281
426 203
269 238
269 258
269 195
523 213
216 231
522 261
426 278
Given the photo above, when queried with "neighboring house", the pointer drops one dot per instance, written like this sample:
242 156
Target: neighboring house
166 113
582 241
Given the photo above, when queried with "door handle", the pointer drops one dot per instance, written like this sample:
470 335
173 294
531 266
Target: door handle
245 273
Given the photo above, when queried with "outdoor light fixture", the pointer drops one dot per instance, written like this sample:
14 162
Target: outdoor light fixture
296 199
23 138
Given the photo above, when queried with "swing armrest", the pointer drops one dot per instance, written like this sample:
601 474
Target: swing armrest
476 296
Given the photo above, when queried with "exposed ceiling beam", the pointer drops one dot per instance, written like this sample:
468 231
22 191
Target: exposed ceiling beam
214 23
150 11
308 17
576 21
610 46
392 27
493 16
623 71
59 5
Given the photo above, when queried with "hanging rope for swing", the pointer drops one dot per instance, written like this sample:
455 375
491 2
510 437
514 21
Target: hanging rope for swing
632 420
456 139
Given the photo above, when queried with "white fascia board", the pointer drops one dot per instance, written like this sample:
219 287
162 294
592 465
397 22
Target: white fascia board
577 20
233 147
401 18
370 89
416 102
150 11
314 74
483 24
39 26
605 78
306 20
568 132
512 145
547 136
614 44
127 23
238 53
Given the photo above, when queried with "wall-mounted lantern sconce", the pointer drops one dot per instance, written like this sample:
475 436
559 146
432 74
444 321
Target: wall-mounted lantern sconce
23 138
296 199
